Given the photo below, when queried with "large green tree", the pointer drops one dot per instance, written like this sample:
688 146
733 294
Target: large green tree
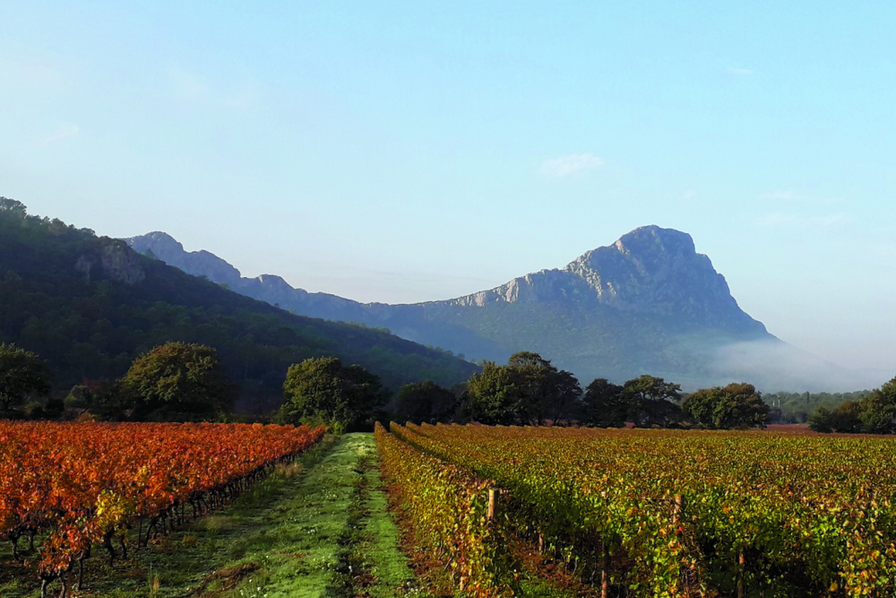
546 393
527 390
13 207
323 391
22 374
845 418
603 405
878 410
491 396
178 381
737 405
652 401
425 401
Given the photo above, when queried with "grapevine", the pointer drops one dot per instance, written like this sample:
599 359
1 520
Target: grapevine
77 485
687 513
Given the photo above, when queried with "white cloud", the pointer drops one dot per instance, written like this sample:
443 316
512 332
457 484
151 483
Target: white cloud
826 221
569 165
777 219
64 132
737 71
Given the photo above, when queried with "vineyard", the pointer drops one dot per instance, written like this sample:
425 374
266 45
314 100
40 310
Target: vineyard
70 487
654 513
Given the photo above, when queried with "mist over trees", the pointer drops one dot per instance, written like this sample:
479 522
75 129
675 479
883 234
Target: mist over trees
797 407
184 382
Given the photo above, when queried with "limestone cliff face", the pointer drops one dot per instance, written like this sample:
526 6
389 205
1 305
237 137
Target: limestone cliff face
650 270
122 265
115 262
657 270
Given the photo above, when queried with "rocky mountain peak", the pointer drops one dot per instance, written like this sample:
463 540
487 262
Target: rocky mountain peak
198 263
647 250
651 270
653 240
658 270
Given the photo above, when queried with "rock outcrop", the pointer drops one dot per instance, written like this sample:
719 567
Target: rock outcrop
650 270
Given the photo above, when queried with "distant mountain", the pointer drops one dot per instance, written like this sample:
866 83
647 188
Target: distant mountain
89 305
269 288
648 303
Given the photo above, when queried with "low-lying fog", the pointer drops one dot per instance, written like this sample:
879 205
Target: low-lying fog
773 365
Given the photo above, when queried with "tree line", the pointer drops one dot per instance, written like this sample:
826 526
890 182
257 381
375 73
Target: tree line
185 382
171 382
528 390
797 407
873 413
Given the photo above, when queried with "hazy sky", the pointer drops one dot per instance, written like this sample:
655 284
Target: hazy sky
425 150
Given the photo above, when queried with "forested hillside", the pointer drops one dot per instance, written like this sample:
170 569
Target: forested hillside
89 305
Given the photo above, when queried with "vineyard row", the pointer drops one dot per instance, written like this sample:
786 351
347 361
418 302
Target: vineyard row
77 485
663 513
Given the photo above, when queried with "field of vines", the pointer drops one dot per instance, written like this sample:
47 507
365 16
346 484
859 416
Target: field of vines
659 512
67 488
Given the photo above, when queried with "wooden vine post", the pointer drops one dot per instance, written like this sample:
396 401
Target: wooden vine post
493 494
604 575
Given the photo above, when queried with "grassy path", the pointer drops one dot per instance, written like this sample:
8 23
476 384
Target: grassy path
327 535
317 528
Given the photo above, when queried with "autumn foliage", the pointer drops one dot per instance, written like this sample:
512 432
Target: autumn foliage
448 506
681 513
77 485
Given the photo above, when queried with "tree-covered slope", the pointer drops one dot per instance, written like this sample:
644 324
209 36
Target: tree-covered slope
89 305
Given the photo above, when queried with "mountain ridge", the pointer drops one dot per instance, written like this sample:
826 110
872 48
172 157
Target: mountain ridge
647 303
586 267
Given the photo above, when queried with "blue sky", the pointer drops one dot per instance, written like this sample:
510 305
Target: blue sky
405 152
